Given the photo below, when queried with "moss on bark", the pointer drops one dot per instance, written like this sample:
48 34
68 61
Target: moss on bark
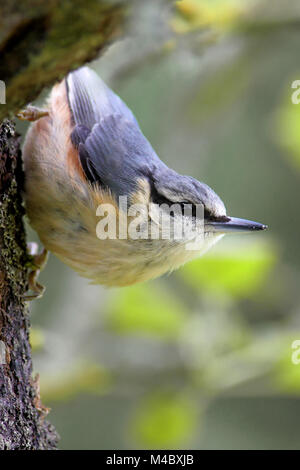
42 44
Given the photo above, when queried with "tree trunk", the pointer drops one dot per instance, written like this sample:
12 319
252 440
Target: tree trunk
22 416
41 41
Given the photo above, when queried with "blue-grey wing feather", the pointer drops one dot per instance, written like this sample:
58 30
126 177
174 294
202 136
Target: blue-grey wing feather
112 149
91 99
120 154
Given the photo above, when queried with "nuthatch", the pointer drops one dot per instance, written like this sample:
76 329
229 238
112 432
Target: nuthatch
86 149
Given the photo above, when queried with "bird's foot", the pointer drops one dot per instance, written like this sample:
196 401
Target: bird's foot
37 262
42 409
31 113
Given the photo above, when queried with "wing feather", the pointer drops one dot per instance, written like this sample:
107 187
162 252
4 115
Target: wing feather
112 149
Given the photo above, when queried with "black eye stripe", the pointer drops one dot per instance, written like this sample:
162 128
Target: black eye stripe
212 218
159 199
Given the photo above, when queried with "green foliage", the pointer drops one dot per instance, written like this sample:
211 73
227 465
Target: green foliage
82 378
197 14
146 309
237 272
164 420
287 373
288 125
37 338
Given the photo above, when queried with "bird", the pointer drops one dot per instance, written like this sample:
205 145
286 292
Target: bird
85 150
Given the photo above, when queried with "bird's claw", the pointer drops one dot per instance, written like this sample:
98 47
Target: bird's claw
31 113
39 261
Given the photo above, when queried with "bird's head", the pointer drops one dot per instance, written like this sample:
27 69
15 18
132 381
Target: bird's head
172 188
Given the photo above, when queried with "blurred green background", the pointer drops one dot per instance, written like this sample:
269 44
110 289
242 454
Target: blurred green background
200 358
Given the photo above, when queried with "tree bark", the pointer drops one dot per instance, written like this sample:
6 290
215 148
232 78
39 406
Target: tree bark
40 42
22 416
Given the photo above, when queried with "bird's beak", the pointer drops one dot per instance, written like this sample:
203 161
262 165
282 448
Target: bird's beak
236 225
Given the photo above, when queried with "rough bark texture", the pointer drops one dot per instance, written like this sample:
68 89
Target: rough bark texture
40 42
22 423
